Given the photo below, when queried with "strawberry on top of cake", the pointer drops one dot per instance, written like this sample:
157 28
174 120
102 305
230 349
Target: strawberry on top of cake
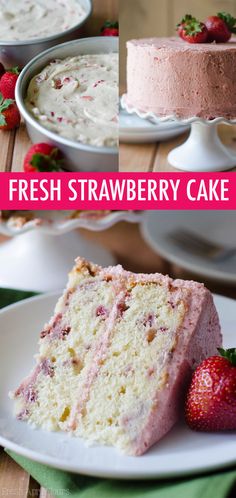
193 75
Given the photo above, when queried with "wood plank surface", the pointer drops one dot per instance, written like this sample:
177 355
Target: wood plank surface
134 157
21 146
7 139
12 478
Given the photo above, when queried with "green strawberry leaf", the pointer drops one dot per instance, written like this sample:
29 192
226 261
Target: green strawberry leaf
186 19
230 354
2 120
14 70
6 104
45 163
111 24
229 20
193 27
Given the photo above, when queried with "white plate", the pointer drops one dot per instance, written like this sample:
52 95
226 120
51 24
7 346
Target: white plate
180 453
217 226
133 129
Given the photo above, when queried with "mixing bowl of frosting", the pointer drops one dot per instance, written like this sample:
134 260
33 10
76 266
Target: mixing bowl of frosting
69 96
28 27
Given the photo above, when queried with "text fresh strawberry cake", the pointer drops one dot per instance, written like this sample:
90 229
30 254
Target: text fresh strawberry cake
115 358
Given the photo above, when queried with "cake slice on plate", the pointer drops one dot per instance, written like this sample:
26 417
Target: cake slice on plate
115 358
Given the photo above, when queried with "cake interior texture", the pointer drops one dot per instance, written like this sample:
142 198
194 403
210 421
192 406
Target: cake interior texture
115 358
170 77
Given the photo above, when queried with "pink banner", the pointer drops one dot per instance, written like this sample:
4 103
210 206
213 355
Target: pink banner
117 191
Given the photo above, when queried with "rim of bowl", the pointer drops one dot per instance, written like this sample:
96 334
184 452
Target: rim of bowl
33 122
35 41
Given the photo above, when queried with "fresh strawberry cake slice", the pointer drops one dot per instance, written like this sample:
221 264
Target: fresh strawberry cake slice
115 358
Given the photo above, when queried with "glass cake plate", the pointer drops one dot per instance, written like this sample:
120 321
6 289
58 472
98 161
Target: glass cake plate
181 452
44 244
203 151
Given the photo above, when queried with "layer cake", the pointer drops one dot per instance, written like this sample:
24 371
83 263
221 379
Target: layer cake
168 76
115 358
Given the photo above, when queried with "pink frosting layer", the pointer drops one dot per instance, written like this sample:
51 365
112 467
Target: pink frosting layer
169 76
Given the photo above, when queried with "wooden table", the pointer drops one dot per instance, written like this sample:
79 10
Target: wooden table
133 158
153 157
129 249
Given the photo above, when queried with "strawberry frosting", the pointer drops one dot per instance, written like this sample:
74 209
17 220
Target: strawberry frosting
169 76
77 98
29 19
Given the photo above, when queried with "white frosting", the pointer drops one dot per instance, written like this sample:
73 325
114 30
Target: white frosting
78 98
29 19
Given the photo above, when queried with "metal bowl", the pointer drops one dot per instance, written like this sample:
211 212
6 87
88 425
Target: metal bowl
20 52
78 156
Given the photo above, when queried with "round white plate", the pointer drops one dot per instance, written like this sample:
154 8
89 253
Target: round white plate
180 453
133 129
216 226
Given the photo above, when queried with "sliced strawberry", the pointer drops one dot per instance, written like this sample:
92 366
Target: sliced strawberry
44 158
211 399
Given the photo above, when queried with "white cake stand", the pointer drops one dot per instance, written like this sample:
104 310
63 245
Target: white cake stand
42 251
203 151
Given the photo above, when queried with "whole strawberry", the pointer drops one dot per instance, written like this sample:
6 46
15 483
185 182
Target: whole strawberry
44 158
220 27
192 30
9 114
110 29
8 83
211 399
180 26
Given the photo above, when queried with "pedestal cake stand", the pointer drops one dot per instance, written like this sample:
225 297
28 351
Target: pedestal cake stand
203 151
44 245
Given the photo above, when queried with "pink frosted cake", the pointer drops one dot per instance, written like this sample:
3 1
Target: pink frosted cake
169 76
116 356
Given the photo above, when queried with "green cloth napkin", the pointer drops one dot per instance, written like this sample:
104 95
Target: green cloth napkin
64 484
10 296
